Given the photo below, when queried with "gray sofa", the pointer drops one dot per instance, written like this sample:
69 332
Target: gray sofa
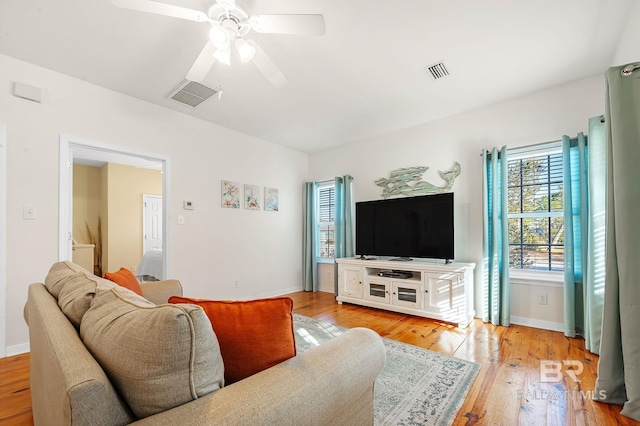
71 385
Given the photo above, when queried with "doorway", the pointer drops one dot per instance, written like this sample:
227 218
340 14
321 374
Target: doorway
87 152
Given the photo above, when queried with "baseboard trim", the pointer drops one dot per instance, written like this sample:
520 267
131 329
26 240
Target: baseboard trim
278 292
536 323
18 349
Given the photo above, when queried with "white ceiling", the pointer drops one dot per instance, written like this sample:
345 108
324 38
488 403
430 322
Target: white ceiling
363 78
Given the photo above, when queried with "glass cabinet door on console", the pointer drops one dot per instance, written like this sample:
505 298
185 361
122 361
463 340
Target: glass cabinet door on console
350 280
377 290
407 294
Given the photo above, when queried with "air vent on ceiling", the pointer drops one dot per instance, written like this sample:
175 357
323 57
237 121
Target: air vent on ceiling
191 93
437 71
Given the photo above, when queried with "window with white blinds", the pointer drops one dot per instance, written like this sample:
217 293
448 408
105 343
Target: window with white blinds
536 217
326 211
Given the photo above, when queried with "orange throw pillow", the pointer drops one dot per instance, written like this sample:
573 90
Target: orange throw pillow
125 278
253 335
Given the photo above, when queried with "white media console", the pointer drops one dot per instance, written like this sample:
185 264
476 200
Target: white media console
438 290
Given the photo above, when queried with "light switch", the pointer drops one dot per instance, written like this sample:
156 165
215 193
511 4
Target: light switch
180 220
28 212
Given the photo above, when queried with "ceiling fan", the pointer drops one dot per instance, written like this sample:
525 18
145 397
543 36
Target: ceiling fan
229 26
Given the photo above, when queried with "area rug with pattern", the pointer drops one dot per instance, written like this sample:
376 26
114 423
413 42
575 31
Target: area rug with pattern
416 386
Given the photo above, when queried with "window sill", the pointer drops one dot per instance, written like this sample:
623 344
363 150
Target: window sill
538 278
325 260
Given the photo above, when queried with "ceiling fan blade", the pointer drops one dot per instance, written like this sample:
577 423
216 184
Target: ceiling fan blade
203 64
288 24
268 68
162 9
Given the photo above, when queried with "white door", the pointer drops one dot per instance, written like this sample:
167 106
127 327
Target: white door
151 222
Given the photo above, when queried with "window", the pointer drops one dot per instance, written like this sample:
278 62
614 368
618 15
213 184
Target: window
326 212
536 218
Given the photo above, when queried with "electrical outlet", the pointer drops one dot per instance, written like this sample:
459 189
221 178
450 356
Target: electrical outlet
543 299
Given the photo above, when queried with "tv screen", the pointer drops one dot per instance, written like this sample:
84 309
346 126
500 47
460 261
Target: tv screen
406 227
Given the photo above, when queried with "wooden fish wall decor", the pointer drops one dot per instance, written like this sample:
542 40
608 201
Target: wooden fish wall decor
400 182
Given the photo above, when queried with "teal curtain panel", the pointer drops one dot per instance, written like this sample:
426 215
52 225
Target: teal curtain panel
310 238
594 272
584 233
495 241
343 222
576 213
619 366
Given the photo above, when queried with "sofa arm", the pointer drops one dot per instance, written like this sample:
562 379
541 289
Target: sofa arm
328 385
159 292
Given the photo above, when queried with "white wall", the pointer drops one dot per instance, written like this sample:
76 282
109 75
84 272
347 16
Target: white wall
628 48
540 117
216 245
326 277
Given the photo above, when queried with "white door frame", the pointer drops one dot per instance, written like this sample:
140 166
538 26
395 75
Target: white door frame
3 240
67 143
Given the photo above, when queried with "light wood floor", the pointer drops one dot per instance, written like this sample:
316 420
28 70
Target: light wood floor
507 391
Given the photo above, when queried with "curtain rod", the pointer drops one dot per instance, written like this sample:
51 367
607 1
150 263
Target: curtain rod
533 145
629 69
602 120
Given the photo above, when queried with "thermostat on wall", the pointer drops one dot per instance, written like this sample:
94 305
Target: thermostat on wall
187 205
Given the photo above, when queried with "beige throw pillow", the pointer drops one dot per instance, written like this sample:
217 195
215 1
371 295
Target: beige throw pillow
157 357
74 298
58 275
74 287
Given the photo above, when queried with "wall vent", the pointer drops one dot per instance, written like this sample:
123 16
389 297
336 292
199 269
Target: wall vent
437 71
191 93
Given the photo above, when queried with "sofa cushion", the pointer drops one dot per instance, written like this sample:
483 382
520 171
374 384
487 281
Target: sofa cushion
74 298
58 274
126 279
254 335
74 288
157 357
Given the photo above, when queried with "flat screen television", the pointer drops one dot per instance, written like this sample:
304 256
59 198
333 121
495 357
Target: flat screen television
406 227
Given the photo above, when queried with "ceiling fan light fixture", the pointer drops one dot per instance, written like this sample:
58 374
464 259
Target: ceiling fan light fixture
223 56
219 37
246 49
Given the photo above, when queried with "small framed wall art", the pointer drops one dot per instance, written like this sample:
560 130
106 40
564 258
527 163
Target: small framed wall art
271 200
251 197
230 194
